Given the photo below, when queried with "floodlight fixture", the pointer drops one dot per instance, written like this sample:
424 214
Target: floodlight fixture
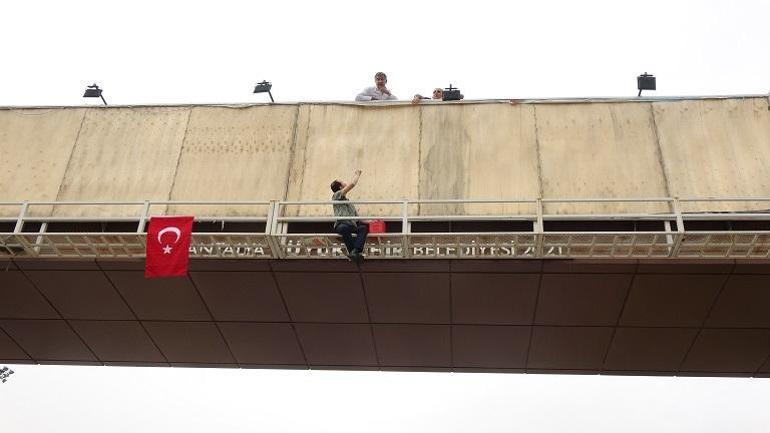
93 91
264 87
645 82
452 94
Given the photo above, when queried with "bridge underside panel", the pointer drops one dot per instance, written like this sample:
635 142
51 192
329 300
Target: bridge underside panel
631 317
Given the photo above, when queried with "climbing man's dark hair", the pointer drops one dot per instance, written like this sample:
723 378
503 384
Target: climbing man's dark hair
336 186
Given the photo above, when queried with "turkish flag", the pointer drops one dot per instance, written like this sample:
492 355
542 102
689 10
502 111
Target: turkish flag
168 246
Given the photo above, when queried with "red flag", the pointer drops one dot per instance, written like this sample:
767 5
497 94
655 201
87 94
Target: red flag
168 246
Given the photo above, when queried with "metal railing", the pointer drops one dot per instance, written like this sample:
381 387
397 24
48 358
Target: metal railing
419 229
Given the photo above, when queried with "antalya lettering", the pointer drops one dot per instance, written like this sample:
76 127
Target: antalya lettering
297 249
223 249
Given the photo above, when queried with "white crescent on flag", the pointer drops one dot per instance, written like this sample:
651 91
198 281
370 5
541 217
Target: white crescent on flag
173 230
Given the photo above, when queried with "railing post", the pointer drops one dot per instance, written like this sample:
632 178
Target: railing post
539 229
679 228
20 221
17 229
143 216
406 229
276 229
271 229
39 238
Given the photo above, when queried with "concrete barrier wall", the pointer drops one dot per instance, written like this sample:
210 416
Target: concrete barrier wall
334 140
714 147
35 145
234 154
123 154
599 151
478 152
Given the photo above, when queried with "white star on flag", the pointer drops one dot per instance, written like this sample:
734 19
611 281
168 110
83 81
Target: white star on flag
167 249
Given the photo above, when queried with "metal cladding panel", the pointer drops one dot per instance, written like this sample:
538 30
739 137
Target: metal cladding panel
478 152
190 342
581 299
334 140
682 300
490 346
241 296
728 350
263 343
21 299
651 349
670 323
235 154
36 145
118 341
49 340
9 350
716 148
123 154
599 150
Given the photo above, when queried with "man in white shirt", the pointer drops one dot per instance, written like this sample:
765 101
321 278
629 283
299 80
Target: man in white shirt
379 92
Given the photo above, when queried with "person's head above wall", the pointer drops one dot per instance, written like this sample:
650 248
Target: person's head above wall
380 79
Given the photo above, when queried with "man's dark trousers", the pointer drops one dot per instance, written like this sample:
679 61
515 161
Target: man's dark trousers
347 230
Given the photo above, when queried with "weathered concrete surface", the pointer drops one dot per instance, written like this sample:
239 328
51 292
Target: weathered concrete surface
123 154
717 147
332 141
478 152
234 154
714 148
35 146
599 151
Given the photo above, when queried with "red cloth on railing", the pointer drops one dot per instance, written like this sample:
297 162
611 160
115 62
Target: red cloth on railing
168 246
377 226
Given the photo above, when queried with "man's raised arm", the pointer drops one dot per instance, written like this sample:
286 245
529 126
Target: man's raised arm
349 186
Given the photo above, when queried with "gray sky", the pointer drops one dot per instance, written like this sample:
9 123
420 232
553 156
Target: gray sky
183 52
122 399
190 51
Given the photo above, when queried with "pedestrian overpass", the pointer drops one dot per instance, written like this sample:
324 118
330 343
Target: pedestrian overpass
593 236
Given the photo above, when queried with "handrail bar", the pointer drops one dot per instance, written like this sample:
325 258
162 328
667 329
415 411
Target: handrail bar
144 234
140 203
609 200
137 219
710 199
610 217
334 218
328 202
472 201
721 217
503 218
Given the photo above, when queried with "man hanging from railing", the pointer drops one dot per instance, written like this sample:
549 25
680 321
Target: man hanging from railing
345 227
